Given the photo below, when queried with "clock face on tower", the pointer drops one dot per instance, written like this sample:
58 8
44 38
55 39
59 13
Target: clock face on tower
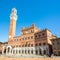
10 36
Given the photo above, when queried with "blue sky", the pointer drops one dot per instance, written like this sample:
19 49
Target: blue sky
44 13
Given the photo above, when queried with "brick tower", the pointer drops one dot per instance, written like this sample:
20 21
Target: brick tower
13 19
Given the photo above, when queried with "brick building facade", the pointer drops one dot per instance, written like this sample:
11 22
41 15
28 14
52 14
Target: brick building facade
56 46
33 41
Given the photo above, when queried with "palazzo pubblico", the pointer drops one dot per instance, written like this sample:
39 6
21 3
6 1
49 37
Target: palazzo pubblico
33 41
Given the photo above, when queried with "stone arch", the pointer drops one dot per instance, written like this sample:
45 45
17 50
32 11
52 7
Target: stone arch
36 51
9 49
4 50
44 51
31 51
28 51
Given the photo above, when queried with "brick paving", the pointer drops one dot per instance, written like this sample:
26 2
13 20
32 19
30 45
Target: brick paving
31 58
